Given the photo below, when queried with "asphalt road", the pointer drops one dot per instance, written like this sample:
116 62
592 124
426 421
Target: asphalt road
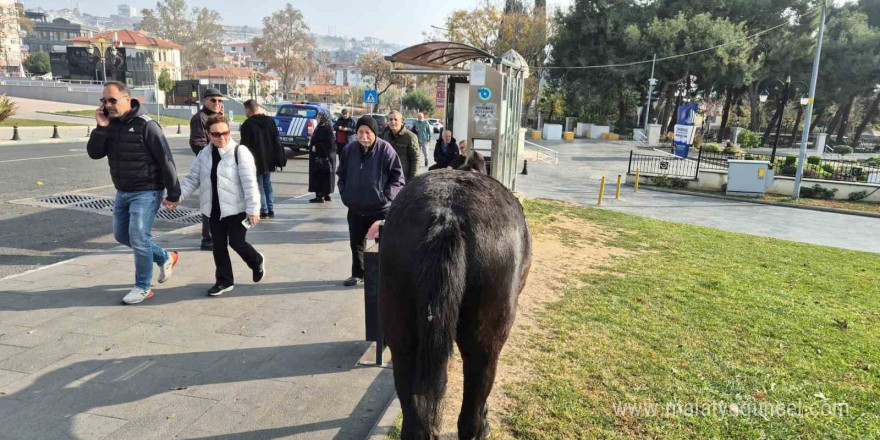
32 236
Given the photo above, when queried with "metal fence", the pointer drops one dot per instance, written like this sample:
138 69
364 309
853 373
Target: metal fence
671 165
815 168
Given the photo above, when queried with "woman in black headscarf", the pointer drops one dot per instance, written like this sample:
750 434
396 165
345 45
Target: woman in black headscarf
322 159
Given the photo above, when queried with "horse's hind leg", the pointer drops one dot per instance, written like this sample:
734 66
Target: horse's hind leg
404 372
479 354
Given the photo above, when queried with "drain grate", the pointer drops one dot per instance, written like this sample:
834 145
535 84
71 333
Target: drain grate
104 205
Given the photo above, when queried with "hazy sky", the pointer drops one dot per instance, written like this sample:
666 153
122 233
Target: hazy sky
399 21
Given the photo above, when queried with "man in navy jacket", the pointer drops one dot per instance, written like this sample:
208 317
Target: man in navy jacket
370 176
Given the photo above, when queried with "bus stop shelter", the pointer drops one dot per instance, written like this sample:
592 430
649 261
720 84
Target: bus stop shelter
484 98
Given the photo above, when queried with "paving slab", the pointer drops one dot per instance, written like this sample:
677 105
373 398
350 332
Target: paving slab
277 359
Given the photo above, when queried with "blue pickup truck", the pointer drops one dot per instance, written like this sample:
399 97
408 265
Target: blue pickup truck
296 123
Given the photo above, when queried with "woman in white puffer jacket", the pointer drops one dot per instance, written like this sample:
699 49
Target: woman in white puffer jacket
226 178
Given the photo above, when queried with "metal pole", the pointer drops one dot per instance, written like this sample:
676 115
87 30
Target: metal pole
807 119
651 83
785 92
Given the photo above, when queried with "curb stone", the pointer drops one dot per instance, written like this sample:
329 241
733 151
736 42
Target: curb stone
761 202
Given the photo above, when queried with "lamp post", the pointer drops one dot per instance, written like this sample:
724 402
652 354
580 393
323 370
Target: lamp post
787 88
149 63
99 49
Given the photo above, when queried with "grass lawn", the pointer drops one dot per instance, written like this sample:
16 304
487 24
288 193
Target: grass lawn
10 122
167 121
707 320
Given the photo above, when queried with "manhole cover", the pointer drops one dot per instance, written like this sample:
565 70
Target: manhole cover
104 205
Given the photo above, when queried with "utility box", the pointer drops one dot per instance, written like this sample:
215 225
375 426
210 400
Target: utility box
748 177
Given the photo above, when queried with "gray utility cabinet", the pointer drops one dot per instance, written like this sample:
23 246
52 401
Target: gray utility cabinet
748 177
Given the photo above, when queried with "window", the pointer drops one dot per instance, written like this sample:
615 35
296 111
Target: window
302 112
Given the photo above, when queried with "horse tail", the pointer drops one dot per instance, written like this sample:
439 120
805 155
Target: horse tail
441 284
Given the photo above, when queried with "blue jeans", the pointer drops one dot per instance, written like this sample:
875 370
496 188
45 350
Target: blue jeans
264 182
133 217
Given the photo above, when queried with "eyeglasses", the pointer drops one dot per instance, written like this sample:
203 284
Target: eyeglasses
217 134
112 101
216 101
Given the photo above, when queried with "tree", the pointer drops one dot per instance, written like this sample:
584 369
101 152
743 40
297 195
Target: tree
199 31
376 71
286 46
418 100
166 84
38 63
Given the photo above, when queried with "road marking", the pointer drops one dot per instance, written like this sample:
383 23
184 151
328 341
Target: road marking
301 196
42 158
9 277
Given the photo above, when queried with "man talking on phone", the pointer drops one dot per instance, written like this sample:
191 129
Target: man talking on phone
142 168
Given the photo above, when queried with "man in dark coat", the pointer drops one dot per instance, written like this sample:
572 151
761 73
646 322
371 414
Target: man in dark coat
260 135
370 176
345 131
212 104
445 151
404 142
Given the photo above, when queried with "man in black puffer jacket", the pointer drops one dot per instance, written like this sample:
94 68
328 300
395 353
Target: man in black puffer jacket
260 134
142 168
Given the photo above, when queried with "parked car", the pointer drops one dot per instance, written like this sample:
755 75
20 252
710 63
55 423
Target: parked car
381 120
409 122
296 123
438 127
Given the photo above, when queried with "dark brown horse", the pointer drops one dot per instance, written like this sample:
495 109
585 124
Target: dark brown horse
454 256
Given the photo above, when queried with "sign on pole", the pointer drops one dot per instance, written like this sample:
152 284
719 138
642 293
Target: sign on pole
204 81
371 96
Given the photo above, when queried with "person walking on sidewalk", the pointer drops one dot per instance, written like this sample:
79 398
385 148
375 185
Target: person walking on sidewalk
142 168
345 131
260 134
423 130
370 176
212 104
226 178
404 142
322 159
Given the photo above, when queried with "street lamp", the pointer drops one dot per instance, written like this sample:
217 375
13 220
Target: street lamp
787 88
149 63
99 49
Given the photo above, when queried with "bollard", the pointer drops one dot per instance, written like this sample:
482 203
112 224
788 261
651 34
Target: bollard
525 170
15 133
178 128
617 196
55 134
601 190
638 172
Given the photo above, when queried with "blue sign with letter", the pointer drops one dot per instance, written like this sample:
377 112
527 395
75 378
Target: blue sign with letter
371 96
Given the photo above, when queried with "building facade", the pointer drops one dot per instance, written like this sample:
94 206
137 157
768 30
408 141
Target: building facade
51 36
130 56
10 39
238 81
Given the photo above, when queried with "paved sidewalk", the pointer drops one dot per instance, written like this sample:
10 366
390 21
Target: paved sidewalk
582 164
274 360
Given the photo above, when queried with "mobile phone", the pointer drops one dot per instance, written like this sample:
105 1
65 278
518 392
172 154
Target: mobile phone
106 113
247 223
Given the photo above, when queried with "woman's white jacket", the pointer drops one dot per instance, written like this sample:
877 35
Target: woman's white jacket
236 184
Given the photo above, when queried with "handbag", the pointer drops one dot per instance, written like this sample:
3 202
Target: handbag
322 163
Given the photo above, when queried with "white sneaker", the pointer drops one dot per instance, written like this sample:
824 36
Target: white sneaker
137 295
168 268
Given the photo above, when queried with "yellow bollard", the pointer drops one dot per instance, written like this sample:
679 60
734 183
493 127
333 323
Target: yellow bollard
601 190
637 180
617 196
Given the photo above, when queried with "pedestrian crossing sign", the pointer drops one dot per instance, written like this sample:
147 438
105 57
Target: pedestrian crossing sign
370 96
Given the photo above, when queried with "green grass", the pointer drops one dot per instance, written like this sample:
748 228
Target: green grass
34 123
700 315
167 121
